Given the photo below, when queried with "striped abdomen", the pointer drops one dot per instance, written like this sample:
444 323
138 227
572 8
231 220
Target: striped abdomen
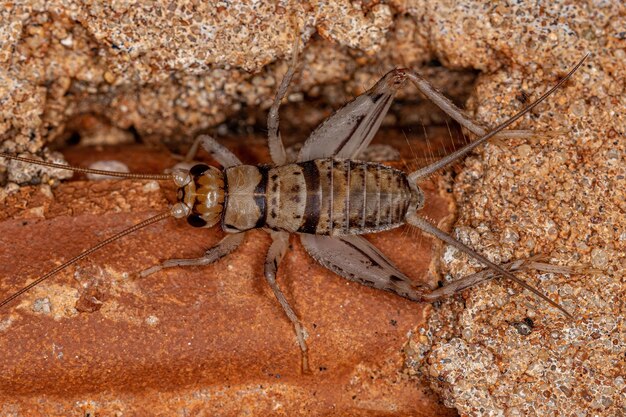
323 196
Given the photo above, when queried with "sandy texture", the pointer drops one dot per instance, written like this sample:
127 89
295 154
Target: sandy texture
164 73
111 74
501 352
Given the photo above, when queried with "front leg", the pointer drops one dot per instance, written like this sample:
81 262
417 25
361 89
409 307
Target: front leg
223 248
275 142
280 243
217 151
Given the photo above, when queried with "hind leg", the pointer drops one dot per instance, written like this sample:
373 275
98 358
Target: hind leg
457 114
487 274
415 220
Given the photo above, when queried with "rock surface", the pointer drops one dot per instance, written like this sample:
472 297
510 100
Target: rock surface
502 352
108 74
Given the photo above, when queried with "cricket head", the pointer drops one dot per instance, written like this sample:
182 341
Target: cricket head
200 195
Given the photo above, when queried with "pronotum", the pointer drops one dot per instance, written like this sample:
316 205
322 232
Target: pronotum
325 196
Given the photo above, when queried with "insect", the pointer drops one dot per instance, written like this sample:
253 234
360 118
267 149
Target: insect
325 196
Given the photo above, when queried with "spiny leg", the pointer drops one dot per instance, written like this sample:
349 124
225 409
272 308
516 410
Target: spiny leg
469 281
275 142
448 159
193 150
352 127
217 151
280 243
223 248
356 259
425 226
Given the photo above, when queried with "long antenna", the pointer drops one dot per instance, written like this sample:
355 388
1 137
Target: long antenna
89 170
421 173
89 251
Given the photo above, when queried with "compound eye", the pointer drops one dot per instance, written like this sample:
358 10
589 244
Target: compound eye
198 170
196 221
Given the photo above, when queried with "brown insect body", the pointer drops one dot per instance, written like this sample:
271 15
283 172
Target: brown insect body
324 196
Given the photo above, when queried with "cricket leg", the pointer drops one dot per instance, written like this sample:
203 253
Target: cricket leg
275 143
350 130
193 150
356 259
425 226
448 159
280 243
457 114
223 248
487 274
218 151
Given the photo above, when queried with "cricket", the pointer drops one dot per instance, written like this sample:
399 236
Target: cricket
325 196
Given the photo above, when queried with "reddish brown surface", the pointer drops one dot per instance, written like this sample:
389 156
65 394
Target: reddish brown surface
222 344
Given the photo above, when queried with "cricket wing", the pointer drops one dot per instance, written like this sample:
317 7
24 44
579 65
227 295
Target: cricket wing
355 259
351 129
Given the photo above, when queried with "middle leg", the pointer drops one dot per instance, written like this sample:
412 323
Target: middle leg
280 243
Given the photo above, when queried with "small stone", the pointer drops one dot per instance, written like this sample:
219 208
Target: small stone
116 166
68 41
524 150
599 258
36 212
42 305
151 186
46 191
152 321
510 236
109 77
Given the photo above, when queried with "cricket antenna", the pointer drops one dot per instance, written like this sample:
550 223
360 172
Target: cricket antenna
89 170
134 228
421 173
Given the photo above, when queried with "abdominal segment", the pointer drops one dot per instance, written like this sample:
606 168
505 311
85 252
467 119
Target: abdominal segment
322 196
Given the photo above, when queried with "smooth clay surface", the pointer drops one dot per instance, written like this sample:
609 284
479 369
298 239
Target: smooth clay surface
112 73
